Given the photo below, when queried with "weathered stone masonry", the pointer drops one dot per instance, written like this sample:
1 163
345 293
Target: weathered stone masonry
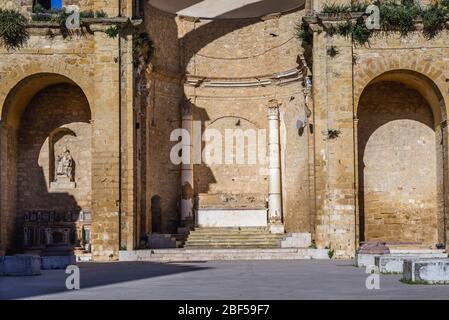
362 135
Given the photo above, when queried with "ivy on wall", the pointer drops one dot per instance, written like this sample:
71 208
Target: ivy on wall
394 16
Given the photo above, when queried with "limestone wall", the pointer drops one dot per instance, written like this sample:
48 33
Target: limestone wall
397 165
338 83
56 107
230 51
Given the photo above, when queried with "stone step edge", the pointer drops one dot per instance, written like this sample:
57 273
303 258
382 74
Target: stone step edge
223 251
181 255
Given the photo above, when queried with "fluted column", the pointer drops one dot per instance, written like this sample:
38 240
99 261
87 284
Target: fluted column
274 166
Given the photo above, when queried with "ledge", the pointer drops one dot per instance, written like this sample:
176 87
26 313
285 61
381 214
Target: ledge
88 22
279 78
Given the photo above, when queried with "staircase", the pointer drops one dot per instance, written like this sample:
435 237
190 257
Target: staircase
233 238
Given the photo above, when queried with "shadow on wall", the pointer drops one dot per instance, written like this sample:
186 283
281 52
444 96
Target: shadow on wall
173 53
48 211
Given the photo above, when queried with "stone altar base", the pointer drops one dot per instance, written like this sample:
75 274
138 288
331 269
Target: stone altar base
222 218
431 271
20 265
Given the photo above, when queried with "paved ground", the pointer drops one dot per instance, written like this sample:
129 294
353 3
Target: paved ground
307 279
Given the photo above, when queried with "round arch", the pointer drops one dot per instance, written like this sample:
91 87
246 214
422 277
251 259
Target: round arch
416 80
431 98
49 94
20 95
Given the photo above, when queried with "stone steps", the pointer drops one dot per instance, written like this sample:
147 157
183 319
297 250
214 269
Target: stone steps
186 255
248 237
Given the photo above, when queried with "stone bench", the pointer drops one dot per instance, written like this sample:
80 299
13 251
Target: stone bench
394 262
20 265
367 259
432 271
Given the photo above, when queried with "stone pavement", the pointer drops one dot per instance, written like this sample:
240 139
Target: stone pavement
301 279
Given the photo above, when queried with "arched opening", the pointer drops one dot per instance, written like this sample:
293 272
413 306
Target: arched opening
45 164
402 146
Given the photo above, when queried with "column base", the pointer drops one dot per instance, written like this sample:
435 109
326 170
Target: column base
186 226
276 228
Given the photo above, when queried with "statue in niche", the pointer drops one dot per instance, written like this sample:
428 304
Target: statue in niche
64 171
65 165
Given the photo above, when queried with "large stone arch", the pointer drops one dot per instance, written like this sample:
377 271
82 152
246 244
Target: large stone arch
418 73
56 72
37 105
411 124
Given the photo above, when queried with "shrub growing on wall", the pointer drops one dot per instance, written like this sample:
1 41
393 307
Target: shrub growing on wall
13 31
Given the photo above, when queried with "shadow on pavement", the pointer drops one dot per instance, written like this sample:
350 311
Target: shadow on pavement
91 275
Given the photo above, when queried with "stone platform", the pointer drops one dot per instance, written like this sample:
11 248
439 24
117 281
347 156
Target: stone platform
20 265
186 255
430 271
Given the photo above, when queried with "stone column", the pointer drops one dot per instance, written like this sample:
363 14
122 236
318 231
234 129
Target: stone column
274 166
187 193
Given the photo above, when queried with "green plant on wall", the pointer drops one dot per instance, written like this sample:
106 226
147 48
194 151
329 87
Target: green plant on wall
394 16
143 48
303 33
434 18
112 31
398 17
13 31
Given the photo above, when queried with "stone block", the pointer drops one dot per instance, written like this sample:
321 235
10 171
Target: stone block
276 228
231 217
162 241
365 259
57 262
20 265
389 263
297 240
433 271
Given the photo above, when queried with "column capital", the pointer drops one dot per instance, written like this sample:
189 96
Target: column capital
186 107
273 108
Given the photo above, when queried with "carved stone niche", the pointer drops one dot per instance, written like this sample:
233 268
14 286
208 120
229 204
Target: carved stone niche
61 162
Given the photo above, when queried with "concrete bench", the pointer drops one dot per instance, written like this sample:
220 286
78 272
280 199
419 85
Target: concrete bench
20 265
433 271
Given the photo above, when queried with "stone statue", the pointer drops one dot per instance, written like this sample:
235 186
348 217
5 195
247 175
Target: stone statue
65 165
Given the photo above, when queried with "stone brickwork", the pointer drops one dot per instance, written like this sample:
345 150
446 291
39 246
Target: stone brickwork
72 81
56 107
363 144
230 51
397 165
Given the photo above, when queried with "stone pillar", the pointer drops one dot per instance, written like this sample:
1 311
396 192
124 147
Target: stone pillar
187 193
274 167
334 159
106 150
